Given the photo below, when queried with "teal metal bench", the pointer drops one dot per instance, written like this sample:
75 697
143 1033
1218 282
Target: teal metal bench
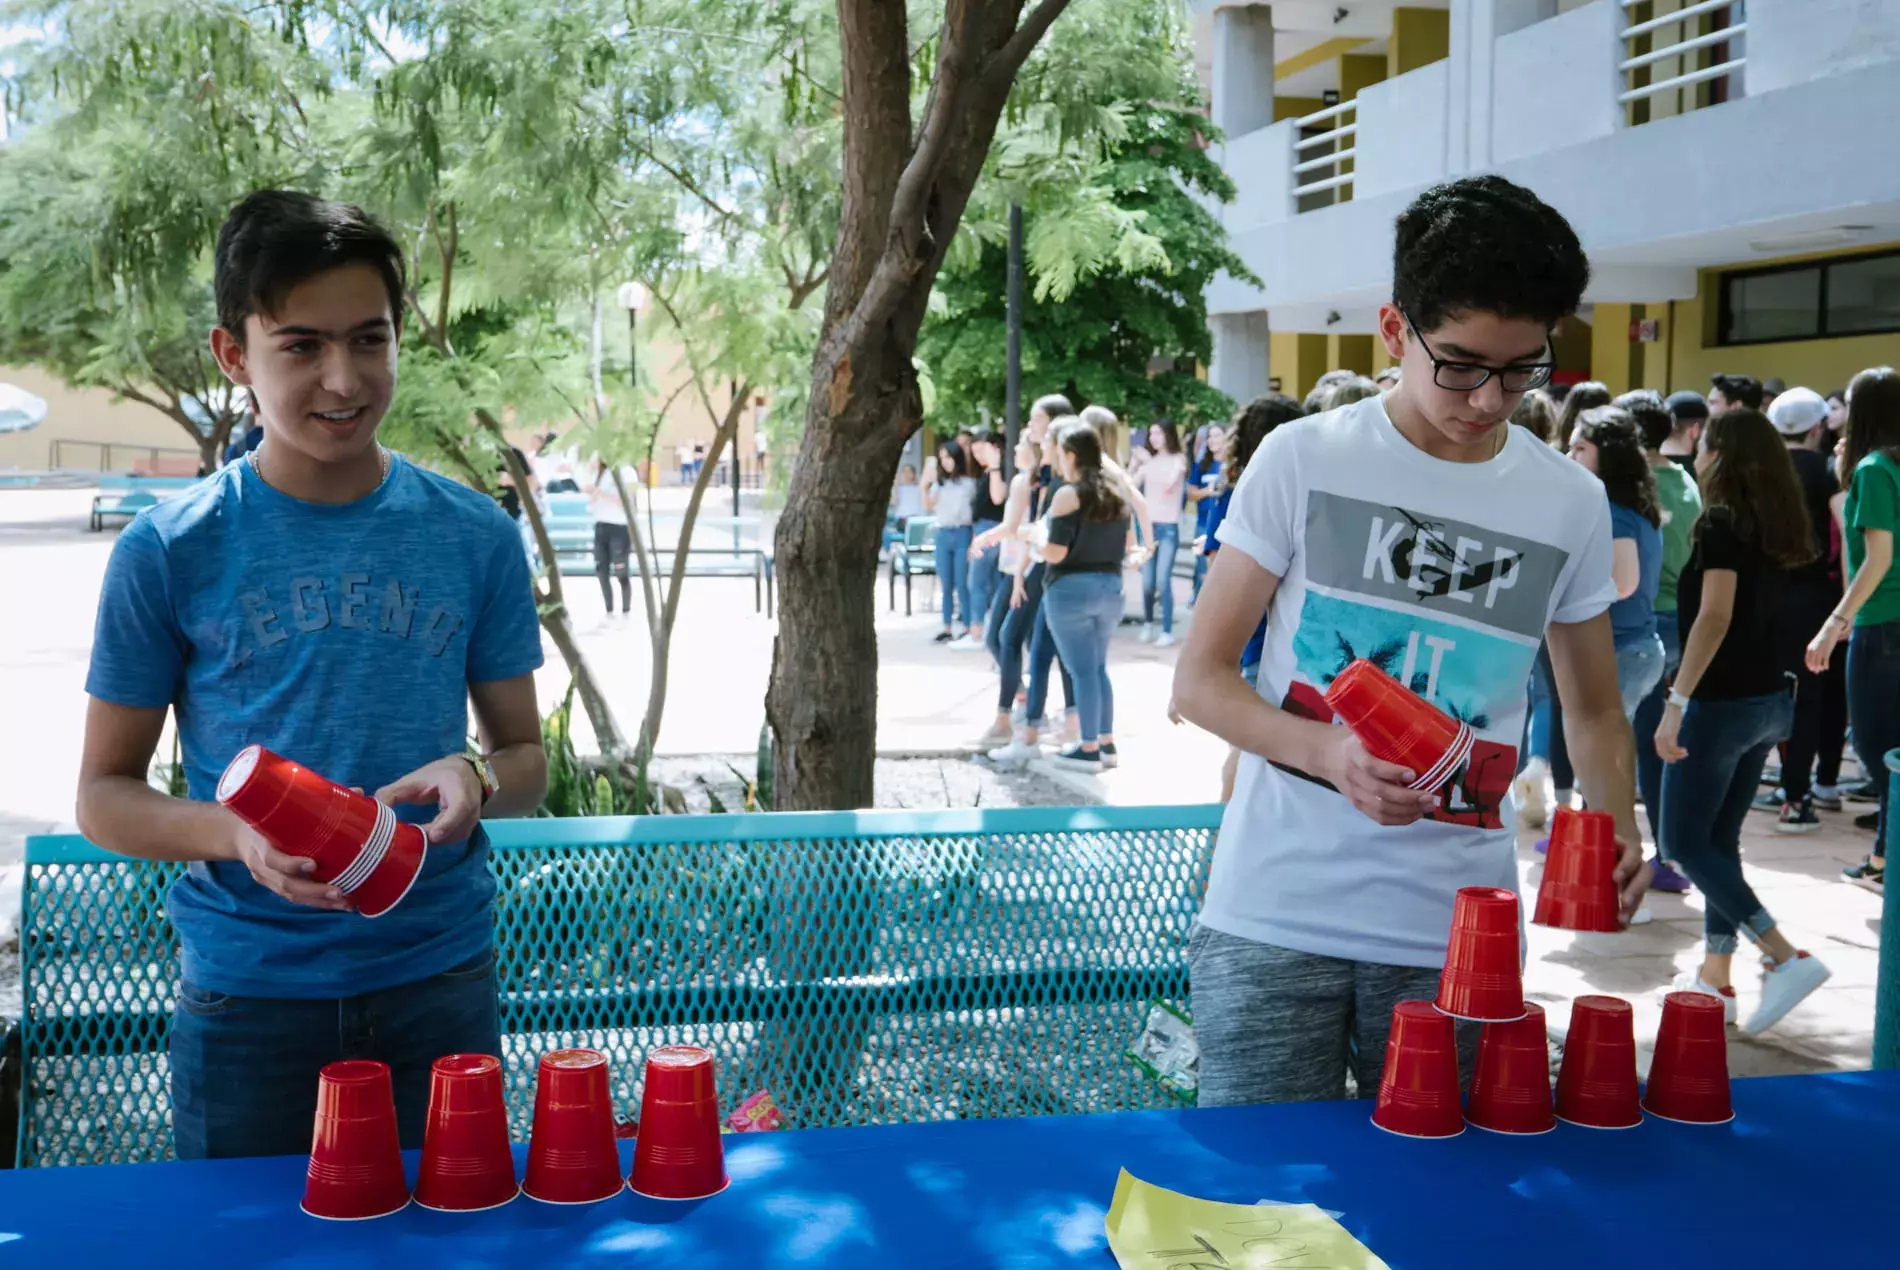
867 967
914 556
119 506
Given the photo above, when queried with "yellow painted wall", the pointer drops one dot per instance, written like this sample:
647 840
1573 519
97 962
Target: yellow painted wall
1356 70
1610 347
1297 360
1349 352
1419 38
84 414
1296 107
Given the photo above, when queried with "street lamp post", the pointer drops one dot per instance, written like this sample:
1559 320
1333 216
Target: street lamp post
633 298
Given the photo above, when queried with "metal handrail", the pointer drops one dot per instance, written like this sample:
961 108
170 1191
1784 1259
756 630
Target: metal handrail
1687 46
1668 19
1683 81
1344 130
1317 187
1325 160
1306 121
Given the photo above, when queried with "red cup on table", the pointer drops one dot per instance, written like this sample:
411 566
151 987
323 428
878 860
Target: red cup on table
1398 726
1579 887
1688 1077
571 1154
355 1167
467 1163
359 846
1482 979
1510 1090
678 1154
1596 1085
1418 1093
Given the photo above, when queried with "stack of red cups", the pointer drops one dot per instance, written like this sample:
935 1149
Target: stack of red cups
1399 727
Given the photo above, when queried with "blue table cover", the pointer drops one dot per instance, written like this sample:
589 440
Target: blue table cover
1803 1177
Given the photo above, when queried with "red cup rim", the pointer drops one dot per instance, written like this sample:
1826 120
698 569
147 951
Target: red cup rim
238 772
1420 1137
574 1203
354 1071
1514 1133
1607 1128
400 856
518 1193
1480 1018
1675 1120
682 1199
365 1217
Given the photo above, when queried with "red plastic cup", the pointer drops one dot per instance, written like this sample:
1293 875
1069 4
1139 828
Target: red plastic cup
1688 1078
1398 726
1510 1091
355 1161
358 844
678 1155
1418 1094
1482 978
467 1164
1579 887
571 1154
1596 1085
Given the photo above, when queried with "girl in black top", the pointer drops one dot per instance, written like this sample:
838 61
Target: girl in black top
1732 700
1088 540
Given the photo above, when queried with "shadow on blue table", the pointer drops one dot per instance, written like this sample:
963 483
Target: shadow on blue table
1799 1179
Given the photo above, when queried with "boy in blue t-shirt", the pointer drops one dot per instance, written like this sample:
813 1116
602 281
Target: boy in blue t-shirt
332 602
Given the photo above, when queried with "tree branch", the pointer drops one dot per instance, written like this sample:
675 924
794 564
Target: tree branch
447 252
1013 54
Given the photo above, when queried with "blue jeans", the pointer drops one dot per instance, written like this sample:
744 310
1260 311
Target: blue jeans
1705 799
1083 611
1544 723
1639 668
1042 651
1157 575
1649 764
953 572
244 1069
983 577
1873 706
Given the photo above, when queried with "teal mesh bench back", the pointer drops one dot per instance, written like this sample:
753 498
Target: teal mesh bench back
867 967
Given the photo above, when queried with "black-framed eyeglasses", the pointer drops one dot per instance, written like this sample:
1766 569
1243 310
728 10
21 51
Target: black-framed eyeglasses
1470 376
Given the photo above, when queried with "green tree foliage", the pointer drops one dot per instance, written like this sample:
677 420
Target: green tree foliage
1107 150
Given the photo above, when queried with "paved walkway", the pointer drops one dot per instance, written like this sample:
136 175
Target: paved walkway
930 700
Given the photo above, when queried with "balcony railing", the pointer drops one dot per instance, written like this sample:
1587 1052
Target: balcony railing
1328 171
1712 47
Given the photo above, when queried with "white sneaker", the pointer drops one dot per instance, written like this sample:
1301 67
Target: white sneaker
1147 632
1642 916
1017 753
1529 790
1690 981
968 644
1165 639
993 737
1784 987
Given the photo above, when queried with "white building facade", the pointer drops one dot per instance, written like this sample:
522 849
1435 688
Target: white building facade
1732 168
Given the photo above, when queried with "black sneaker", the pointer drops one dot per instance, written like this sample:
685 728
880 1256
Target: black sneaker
1109 757
1869 875
1773 800
1798 818
1077 759
1861 792
943 637
1870 821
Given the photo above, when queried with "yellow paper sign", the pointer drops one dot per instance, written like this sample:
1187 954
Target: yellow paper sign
1154 1229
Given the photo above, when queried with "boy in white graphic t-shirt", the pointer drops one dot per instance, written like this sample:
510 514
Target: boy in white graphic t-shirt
1421 531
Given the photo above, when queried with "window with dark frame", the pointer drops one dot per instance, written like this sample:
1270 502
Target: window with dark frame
1824 299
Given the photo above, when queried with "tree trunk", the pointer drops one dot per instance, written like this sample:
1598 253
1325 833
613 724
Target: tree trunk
905 190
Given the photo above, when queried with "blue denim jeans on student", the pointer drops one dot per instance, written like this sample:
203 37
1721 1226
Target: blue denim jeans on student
1083 610
1705 799
983 578
1041 646
1157 576
1649 764
1873 706
244 1069
953 573
1544 724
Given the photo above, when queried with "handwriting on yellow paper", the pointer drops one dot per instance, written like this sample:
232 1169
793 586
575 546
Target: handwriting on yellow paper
1155 1229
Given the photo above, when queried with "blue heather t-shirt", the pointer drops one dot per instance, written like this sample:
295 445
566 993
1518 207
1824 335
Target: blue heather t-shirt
1633 618
344 638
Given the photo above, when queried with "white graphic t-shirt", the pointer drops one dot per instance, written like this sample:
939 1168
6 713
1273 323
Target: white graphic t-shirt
1444 574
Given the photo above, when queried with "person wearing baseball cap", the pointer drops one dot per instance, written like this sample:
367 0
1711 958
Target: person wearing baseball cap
1820 711
1690 412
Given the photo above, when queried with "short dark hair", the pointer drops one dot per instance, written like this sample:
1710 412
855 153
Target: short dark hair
1483 245
273 241
1653 420
1686 407
983 436
1741 390
1055 405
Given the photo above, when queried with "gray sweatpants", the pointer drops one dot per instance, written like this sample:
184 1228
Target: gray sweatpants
1275 1025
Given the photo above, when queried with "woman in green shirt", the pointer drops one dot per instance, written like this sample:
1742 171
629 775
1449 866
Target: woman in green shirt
1870 472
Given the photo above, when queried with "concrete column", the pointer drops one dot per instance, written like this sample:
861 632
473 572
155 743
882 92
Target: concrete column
1243 68
1476 28
1242 365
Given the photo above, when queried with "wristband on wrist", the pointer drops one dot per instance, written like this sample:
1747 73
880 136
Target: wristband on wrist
1832 618
1677 700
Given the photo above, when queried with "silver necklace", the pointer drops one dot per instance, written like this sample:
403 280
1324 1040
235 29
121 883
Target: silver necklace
381 454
